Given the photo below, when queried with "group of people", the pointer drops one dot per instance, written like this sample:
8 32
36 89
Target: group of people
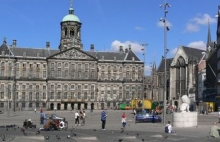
80 117
28 124
104 116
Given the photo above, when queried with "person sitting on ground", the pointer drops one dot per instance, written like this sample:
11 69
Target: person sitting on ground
61 124
50 124
30 124
168 128
214 131
25 124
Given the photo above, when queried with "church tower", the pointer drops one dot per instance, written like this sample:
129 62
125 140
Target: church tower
70 31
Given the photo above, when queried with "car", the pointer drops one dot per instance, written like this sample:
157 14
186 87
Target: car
54 117
147 117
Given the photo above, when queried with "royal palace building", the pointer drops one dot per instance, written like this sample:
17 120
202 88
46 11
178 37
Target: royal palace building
68 77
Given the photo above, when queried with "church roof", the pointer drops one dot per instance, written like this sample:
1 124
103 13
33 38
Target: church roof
193 53
162 64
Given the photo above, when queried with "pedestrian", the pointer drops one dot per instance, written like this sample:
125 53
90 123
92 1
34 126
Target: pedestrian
134 111
41 118
84 117
123 120
81 118
35 109
76 118
153 115
103 119
168 128
218 116
214 131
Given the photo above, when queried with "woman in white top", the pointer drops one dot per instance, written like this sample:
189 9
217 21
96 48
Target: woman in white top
76 118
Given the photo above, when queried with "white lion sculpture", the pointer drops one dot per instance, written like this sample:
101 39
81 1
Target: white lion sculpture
184 107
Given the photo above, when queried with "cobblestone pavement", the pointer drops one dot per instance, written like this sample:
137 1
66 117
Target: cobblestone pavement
140 132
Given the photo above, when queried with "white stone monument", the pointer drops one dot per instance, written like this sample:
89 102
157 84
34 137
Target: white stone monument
185 118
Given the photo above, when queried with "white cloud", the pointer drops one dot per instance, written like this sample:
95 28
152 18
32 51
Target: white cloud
139 28
147 69
203 20
173 51
194 24
135 47
190 27
161 24
197 44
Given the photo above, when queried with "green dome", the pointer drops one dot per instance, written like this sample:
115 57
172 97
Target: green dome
71 16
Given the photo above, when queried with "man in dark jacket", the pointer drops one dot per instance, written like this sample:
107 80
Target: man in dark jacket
103 119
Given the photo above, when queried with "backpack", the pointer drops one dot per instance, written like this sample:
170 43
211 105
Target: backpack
166 129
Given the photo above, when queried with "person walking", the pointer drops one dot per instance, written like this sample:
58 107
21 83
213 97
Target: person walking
218 116
76 118
81 118
123 120
103 119
214 131
84 118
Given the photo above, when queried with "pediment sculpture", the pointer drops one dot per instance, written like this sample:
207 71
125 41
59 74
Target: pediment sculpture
73 54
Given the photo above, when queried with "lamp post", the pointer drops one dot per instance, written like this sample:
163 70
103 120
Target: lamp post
144 45
166 28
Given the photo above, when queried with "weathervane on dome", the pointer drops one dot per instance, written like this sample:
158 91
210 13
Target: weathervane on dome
71 3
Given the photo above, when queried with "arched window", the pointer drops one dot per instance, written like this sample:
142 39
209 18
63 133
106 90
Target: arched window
181 76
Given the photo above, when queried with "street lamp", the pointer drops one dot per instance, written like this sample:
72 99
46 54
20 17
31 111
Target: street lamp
166 28
144 45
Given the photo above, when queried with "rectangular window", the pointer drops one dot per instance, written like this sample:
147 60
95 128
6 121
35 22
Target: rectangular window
120 95
79 87
66 74
65 95
23 105
23 87
44 74
30 87
52 65
72 95
79 95
44 95
9 95
37 96
79 74
65 87
92 74
37 87
72 86
52 95
16 96
2 95
59 74
59 95
86 66
23 96
30 96
92 95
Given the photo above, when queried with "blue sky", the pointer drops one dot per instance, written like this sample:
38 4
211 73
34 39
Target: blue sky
110 23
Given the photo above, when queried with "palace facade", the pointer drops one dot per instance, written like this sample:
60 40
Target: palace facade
69 77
